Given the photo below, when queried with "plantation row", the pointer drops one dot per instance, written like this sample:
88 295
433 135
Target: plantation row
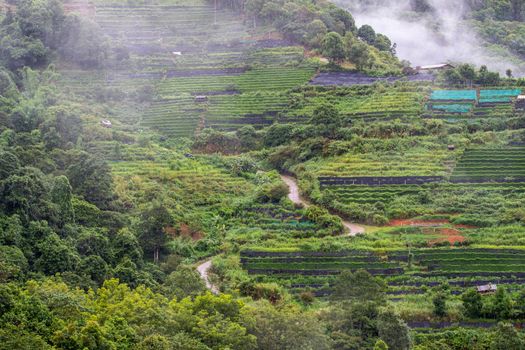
460 268
261 97
259 79
378 181
448 104
373 194
420 162
497 164
378 105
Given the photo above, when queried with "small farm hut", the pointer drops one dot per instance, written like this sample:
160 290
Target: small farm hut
520 102
488 288
435 67
201 98
106 123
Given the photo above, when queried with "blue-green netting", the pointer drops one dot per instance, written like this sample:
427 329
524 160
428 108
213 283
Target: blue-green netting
495 99
453 108
451 95
499 93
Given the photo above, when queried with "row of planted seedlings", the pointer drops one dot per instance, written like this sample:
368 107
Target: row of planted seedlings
487 164
375 106
294 270
372 194
314 272
274 218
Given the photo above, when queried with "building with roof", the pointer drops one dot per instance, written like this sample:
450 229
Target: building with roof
434 67
488 288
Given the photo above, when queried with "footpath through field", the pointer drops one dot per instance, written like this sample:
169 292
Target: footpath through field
295 197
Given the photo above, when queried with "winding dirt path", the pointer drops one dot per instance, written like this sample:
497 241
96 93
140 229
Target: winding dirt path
203 269
294 196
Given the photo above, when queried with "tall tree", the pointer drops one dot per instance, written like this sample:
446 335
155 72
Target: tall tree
152 229
359 286
333 47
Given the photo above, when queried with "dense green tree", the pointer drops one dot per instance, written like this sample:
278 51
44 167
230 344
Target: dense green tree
501 304
54 255
507 337
277 134
11 230
61 196
393 330
184 282
95 268
359 54
472 303
90 177
152 229
440 304
155 342
380 345
247 137
316 31
359 286
83 42
367 34
125 244
332 47
9 164
93 241
382 42
26 194
327 119
13 263
286 329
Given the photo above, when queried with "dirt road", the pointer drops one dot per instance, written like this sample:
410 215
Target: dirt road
203 271
353 229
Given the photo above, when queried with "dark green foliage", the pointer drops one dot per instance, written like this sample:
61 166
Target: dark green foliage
359 286
90 177
440 304
55 255
26 194
285 329
367 33
472 303
393 330
327 119
83 42
507 337
184 282
152 229
333 47
9 163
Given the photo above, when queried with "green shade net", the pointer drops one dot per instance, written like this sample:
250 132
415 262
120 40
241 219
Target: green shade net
458 95
453 108
495 100
499 93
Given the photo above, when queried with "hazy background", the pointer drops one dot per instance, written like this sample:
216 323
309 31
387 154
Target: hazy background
427 39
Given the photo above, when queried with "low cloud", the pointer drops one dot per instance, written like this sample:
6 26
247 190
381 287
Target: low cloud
438 38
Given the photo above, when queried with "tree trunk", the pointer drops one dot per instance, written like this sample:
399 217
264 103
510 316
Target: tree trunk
156 255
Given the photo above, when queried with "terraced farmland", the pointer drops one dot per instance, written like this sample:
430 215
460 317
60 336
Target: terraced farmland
494 164
252 97
373 194
413 163
461 104
272 221
176 53
393 103
461 268
193 182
